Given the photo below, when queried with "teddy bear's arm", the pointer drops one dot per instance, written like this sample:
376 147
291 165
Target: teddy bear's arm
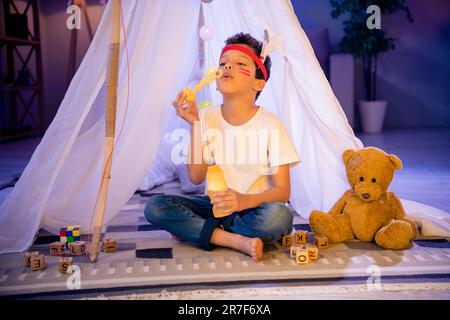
397 207
339 206
400 213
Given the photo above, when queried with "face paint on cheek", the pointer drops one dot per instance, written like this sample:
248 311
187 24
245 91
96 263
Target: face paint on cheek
244 71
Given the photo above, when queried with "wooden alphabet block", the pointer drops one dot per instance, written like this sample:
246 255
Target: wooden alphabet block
321 241
302 256
313 252
301 237
77 248
37 262
286 241
64 263
28 256
109 245
294 249
57 248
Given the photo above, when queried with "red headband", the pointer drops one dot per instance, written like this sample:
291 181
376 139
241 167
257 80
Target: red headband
250 53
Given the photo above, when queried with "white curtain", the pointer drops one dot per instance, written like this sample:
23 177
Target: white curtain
298 92
59 185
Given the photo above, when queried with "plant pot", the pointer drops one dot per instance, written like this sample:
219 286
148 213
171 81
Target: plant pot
372 115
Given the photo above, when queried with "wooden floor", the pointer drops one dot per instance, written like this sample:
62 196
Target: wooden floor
425 176
425 153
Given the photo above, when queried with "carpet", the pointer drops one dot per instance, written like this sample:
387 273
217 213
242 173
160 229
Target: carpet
149 258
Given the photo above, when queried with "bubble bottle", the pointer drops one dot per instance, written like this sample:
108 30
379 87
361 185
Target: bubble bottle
215 181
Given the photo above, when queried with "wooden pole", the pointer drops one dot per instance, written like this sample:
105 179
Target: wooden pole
110 117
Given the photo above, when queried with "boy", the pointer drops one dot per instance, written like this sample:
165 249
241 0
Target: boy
257 190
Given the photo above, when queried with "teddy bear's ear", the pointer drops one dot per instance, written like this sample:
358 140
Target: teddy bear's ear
347 155
396 161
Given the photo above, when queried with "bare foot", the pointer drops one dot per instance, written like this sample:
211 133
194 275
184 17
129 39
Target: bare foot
252 247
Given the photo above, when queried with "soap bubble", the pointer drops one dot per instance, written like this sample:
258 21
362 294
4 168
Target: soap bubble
206 32
204 104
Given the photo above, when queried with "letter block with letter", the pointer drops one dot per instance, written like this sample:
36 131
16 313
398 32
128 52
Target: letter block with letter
286 241
77 248
302 256
301 237
37 262
57 248
109 245
64 263
321 241
28 256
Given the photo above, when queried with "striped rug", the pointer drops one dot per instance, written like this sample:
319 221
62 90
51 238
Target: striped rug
148 259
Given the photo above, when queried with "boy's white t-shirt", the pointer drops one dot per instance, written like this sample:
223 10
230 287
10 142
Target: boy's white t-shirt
249 153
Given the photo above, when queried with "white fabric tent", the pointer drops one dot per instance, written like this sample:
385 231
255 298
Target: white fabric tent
60 183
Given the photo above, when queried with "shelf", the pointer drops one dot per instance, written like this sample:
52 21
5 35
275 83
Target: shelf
22 94
18 88
10 136
18 41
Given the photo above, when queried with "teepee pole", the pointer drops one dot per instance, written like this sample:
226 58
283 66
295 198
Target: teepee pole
110 125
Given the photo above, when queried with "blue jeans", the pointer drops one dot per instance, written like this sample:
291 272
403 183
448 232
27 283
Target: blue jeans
191 219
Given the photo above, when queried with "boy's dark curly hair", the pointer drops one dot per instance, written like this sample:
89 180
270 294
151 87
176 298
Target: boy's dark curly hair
248 39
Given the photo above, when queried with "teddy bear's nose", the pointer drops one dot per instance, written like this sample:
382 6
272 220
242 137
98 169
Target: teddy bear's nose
366 195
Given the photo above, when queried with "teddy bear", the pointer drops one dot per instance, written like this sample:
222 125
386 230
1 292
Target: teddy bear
367 211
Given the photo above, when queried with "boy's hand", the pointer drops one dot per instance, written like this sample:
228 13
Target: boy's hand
190 113
228 201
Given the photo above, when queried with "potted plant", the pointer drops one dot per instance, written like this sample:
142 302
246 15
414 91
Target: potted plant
366 44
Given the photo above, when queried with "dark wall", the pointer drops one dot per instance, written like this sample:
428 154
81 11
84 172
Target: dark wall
56 39
415 78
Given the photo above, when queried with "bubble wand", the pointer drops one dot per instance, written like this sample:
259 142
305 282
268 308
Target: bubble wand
211 76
